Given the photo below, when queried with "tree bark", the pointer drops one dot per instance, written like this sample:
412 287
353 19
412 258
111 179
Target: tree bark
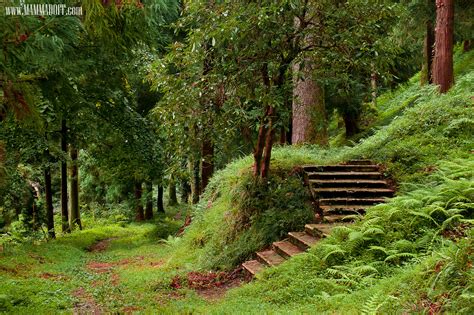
267 151
64 197
207 168
373 85
427 75
467 45
75 216
149 201
443 52
185 191
258 151
194 171
159 200
49 202
309 111
139 215
351 124
173 199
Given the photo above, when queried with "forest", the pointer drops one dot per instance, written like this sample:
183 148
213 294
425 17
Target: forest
237 157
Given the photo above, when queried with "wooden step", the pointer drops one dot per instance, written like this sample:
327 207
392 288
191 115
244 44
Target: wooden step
302 239
359 162
343 202
373 183
353 192
253 267
270 258
337 218
321 229
344 175
286 249
341 168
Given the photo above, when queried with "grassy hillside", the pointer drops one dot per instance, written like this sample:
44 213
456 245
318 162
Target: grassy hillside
413 253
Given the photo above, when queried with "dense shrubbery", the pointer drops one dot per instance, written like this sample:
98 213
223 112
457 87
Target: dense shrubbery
240 215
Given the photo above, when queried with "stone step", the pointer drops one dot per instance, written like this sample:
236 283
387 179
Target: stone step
341 202
336 183
286 249
359 162
302 239
341 168
270 258
353 192
331 218
321 229
343 210
344 175
253 267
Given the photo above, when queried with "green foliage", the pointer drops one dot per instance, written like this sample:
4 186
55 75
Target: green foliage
238 216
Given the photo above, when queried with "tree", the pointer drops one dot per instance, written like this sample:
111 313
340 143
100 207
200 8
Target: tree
74 214
149 200
443 52
309 110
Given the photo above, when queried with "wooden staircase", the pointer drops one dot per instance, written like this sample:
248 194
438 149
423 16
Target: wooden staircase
340 192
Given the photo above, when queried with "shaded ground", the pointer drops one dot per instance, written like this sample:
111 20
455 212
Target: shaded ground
103 270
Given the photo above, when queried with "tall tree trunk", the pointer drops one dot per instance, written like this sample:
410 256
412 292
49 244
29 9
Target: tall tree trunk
373 85
64 199
267 151
159 200
443 52
258 151
139 215
34 211
467 45
49 202
185 191
193 165
173 199
207 168
149 201
427 74
309 111
351 124
75 216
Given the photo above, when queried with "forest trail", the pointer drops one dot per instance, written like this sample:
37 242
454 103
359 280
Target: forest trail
104 270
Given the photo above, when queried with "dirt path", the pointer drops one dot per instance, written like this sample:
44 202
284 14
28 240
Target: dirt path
101 245
87 303
104 290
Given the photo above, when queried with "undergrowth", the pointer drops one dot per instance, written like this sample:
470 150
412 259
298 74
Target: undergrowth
384 262
410 254
239 216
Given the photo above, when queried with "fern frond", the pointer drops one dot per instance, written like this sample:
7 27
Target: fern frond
334 252
449 221
423 215
400 256
373 231
365 270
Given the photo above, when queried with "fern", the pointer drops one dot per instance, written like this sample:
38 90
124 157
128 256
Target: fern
375 303
333 250
373 231
379 249
449 221
365 270
423 215
400 256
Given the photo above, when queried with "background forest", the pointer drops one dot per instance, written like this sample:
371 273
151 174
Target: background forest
174 131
